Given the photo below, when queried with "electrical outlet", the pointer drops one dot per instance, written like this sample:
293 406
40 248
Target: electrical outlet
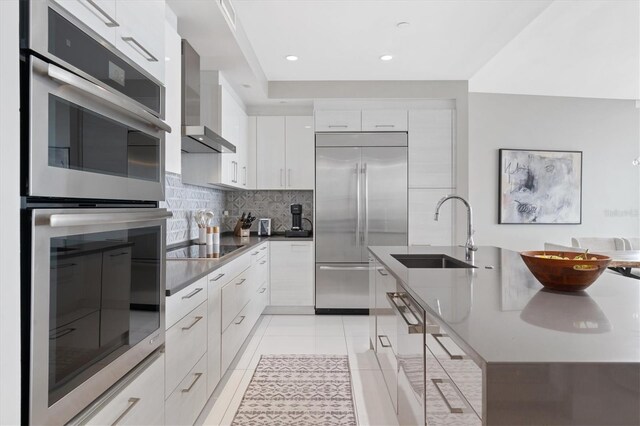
225 213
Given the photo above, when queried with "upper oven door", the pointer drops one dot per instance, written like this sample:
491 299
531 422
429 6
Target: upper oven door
97 303
64 40
86 142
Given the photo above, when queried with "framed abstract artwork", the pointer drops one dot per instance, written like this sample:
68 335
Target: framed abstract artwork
540 187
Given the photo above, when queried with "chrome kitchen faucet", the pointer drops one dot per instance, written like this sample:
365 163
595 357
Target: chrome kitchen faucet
470 246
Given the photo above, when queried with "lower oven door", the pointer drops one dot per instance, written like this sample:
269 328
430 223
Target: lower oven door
97 303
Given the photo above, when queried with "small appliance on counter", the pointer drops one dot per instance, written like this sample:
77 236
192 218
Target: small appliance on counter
264 227
297 230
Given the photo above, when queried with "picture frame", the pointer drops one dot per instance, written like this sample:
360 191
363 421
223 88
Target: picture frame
540 187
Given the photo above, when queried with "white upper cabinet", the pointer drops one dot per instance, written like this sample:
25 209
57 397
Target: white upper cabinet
270 140
384 120
431 147
338 121
300 151
99 15
285 152
140 34
252 154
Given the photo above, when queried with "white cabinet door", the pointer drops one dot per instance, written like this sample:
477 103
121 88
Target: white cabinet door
384 120
230 130
338 121
140 35
99 15
423 230
183 406
252 154
141 402
243 154
173 102
300 151
292 269
214 333
271 153
431 148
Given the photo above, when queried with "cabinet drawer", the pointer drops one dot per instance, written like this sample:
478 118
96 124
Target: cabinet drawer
186 300
233 337
465 373
214 334
185 403
384 120
445 403
226 273
235 296
141 402
186 342
338 121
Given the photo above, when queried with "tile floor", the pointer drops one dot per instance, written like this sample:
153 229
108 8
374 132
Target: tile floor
307 334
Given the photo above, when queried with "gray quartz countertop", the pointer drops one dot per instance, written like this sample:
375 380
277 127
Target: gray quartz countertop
180 273
503 315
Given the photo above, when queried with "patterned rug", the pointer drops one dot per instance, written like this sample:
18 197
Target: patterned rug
288 390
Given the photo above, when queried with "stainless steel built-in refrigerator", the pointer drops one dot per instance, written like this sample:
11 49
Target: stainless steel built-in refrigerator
361 200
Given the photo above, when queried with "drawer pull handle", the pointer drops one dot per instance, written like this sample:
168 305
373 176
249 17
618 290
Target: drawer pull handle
119 254
109 22
338 126
388 345
264 248
413 327
217 277
140 49
193 293
254 253
62 333
66 265
383 272
453 410
241 281
241 319
451 356
263 262
198 375
192 324
132 403
263 290
385 125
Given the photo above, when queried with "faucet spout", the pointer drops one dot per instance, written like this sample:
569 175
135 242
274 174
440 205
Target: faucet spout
470 245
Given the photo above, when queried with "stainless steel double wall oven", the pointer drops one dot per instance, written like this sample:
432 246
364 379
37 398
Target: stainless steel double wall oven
92 237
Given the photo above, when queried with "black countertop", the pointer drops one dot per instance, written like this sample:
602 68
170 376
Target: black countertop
182 272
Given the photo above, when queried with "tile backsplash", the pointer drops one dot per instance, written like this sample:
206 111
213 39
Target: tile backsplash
182 200
267 204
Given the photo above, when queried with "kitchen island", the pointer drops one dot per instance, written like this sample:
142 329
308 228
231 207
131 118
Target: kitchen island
499 349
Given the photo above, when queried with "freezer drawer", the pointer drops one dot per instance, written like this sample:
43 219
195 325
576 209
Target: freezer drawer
342 285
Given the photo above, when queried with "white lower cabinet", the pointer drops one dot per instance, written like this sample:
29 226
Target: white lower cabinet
214 333
140 402
236 333
292 273
186 343
184 404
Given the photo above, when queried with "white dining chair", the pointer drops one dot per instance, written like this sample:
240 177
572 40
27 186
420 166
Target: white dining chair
632 243
559 247
604 244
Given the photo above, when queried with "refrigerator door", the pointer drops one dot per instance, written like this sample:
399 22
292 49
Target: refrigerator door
338 227
384 182
342 286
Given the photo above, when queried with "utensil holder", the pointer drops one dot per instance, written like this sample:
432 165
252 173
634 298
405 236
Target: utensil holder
202 235
244 232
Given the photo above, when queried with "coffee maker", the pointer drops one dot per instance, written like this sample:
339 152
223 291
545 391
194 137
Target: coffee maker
296 223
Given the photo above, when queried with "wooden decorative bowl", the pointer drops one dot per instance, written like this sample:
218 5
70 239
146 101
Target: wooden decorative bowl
562 274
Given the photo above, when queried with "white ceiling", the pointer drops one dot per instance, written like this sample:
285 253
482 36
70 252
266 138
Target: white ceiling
574 48
343 39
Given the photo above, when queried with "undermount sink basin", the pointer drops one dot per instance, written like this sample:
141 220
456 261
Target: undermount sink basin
432 261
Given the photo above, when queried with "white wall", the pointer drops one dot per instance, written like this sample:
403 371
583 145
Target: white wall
9 216
608 133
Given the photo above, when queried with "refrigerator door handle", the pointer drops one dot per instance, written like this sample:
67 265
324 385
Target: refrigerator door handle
358 215
366 205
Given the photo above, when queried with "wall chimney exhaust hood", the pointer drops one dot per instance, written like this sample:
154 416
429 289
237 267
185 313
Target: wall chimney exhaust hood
200 136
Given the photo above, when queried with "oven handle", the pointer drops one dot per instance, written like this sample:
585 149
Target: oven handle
65 77
83 219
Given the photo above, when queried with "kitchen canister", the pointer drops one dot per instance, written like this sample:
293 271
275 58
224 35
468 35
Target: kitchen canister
216 236
210 235
202 235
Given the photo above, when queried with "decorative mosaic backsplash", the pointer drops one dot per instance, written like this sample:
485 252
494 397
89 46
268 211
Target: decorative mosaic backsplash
267 204
182 200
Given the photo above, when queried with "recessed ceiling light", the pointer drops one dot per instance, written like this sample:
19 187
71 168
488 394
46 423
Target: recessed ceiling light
307 127
386 57
291 58
403 24
167 59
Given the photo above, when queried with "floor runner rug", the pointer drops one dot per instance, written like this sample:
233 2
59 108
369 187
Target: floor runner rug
289 390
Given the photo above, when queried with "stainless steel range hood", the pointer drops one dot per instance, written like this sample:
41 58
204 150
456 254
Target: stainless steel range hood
200 136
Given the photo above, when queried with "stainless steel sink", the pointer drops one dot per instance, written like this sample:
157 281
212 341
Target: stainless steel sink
430 261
